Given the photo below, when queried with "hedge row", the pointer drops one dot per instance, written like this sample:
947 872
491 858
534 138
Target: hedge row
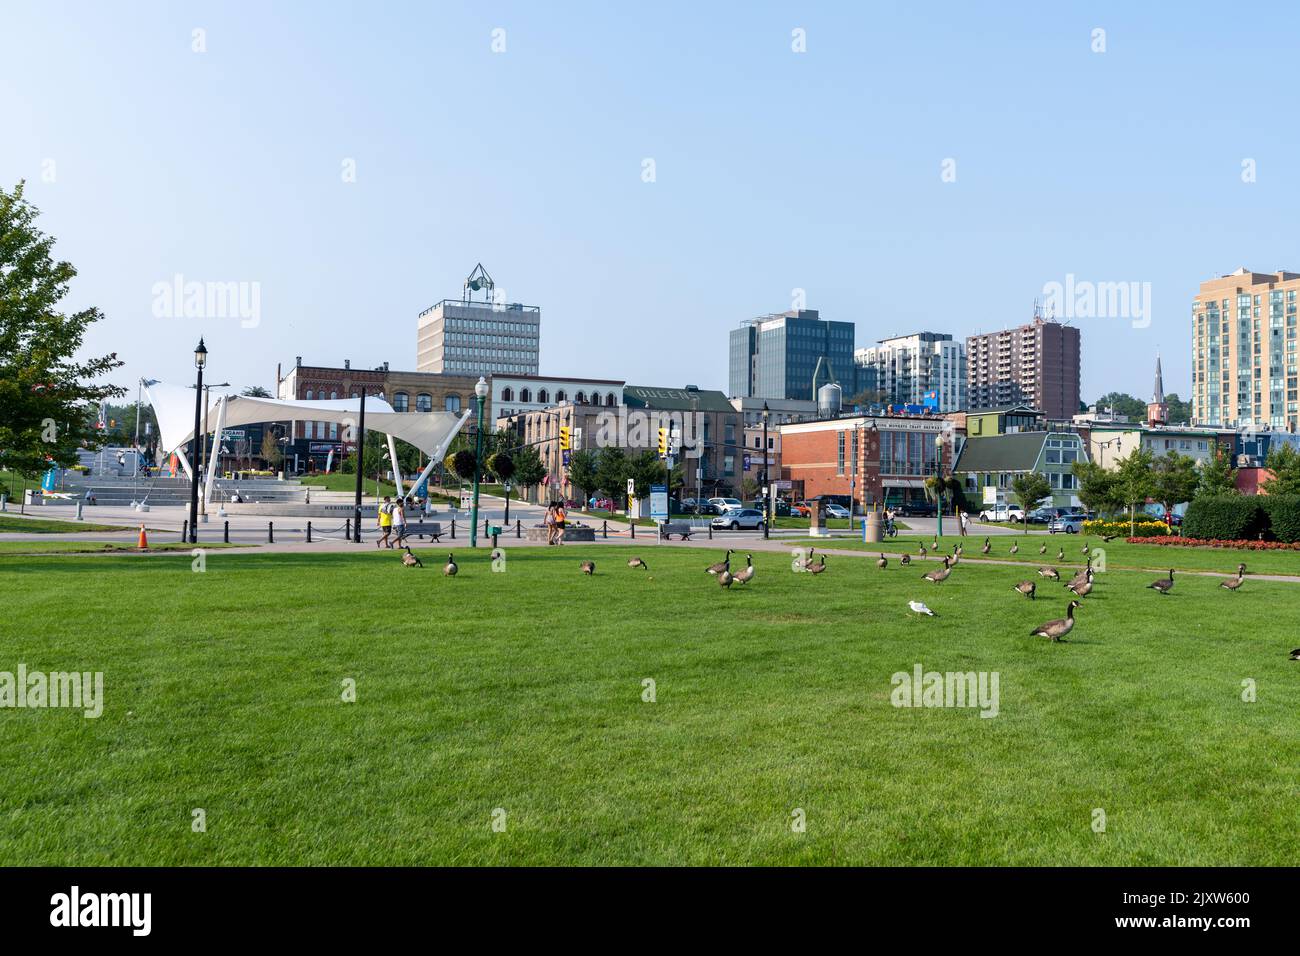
1244 517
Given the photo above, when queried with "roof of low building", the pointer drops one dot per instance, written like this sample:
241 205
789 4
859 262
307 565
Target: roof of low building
1018 451
677 399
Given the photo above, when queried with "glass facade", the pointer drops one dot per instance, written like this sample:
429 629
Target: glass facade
777 357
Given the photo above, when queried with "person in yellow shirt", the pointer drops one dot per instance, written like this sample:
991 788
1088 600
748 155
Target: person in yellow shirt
385 523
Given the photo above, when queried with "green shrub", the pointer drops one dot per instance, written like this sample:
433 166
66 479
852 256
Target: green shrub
1283 514
1233 517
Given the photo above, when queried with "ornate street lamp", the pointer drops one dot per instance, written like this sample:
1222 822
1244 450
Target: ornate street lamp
200 360
767 490
480 393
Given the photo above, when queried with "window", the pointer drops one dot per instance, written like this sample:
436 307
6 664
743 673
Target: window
610 400
452 403
424 402
560 396
310 394
543 397
401 402
525 394
508 395
839 463
580 398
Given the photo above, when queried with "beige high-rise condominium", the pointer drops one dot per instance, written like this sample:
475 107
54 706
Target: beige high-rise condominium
1244 350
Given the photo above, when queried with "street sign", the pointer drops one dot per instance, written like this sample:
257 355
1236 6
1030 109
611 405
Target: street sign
631 488
745 463
577 439
990 494
659 502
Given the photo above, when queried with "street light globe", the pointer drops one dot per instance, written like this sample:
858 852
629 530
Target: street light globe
481 387
200 355
938 441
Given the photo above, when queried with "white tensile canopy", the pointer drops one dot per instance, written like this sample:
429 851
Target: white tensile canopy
173 405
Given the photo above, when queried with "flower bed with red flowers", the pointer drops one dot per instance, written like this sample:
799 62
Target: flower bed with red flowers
1244 544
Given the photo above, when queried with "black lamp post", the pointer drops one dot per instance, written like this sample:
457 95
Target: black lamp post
200 360
767 490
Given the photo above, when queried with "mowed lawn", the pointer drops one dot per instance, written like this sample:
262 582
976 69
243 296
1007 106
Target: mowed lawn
520 693
1118 553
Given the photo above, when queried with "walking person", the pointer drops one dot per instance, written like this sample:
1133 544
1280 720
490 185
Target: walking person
399 522
549 521
385 523
965 521
559 523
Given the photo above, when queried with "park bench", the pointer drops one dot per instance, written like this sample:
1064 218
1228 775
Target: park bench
419 529
682 529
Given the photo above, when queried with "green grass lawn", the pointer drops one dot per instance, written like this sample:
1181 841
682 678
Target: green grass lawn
47 526
1119 553
522 691
95 547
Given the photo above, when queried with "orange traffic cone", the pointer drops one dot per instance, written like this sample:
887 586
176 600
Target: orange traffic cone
144 540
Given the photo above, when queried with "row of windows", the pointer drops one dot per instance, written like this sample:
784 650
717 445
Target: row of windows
424 402
544 397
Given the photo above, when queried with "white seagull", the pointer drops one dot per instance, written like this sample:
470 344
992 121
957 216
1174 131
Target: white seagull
920 608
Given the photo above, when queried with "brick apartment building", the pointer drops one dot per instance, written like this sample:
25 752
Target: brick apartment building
1035 364
878 460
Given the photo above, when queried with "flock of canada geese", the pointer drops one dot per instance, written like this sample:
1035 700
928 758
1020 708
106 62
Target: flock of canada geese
1080 586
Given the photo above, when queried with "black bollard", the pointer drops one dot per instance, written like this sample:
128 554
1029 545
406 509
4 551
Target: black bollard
710 530
309 532
632 524
494 541
604 529
185 530
270 532
225 533
347 528
519 529
453 529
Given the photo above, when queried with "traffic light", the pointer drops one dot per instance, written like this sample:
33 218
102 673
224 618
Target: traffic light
663 443
564 438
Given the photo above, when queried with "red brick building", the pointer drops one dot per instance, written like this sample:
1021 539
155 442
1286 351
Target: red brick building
877 459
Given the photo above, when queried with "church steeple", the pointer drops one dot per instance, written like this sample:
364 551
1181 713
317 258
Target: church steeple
1158 408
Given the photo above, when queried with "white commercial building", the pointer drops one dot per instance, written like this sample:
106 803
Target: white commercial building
924 368
519 394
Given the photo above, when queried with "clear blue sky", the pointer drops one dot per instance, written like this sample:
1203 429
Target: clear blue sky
775 170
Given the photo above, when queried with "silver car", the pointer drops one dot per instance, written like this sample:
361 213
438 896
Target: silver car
738 518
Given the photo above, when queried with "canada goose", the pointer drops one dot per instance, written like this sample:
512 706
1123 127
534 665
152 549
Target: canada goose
818 568
1015 547
588 567
987 547
723 565
923 552
1055 630
920 608
958 550
410 560
1232 584
1295 655
801 563
1083 575
934 545
1028 588
1060 554
905 560
1081 588
1109 537
882 562
637 563
940 574
1085 548
725 578
1042 549
450 568
1050 573
1163 585
745 574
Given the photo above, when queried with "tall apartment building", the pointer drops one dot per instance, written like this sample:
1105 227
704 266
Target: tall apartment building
776 356
467 337
1244 350
924 368
1035 364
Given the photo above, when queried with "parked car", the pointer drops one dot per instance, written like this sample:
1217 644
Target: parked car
1003 512
725 504
801 508
780 508
837 511
1067 523
737 518
915 509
